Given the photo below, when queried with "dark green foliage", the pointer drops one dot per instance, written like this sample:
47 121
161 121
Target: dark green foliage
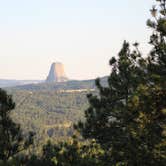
106 109
147 126
128 117
12 140
70 153
157 58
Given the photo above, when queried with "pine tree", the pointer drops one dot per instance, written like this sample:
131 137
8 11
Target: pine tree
12 140
157 58
128 117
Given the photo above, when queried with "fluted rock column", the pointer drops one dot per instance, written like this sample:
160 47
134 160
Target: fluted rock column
57 73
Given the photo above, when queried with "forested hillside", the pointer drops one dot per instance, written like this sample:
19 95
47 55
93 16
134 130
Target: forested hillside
50 114
51 109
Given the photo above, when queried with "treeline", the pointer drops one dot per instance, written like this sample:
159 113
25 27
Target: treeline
71 84
125 124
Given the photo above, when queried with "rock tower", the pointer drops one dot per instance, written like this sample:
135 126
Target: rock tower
57 73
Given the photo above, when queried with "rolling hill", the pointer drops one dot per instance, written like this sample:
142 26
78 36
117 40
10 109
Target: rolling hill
51 109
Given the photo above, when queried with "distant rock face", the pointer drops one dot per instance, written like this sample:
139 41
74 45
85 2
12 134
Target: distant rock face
57 73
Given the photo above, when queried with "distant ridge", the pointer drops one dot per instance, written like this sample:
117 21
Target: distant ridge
57 73
11 83
69 85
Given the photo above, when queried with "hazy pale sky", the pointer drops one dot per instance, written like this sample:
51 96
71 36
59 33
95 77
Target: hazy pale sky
82 34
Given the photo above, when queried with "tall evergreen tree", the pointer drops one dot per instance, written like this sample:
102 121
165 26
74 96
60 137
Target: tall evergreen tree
157 58
12 140
128 117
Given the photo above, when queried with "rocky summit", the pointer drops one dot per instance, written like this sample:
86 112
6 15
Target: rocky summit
57 73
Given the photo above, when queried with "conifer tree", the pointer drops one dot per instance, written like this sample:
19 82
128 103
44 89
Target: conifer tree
12 140
157 58
128 117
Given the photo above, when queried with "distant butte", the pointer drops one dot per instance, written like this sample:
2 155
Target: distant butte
57 73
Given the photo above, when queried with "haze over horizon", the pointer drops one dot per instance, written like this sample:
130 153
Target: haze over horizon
83 35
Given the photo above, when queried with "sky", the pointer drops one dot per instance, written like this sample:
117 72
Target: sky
82 34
